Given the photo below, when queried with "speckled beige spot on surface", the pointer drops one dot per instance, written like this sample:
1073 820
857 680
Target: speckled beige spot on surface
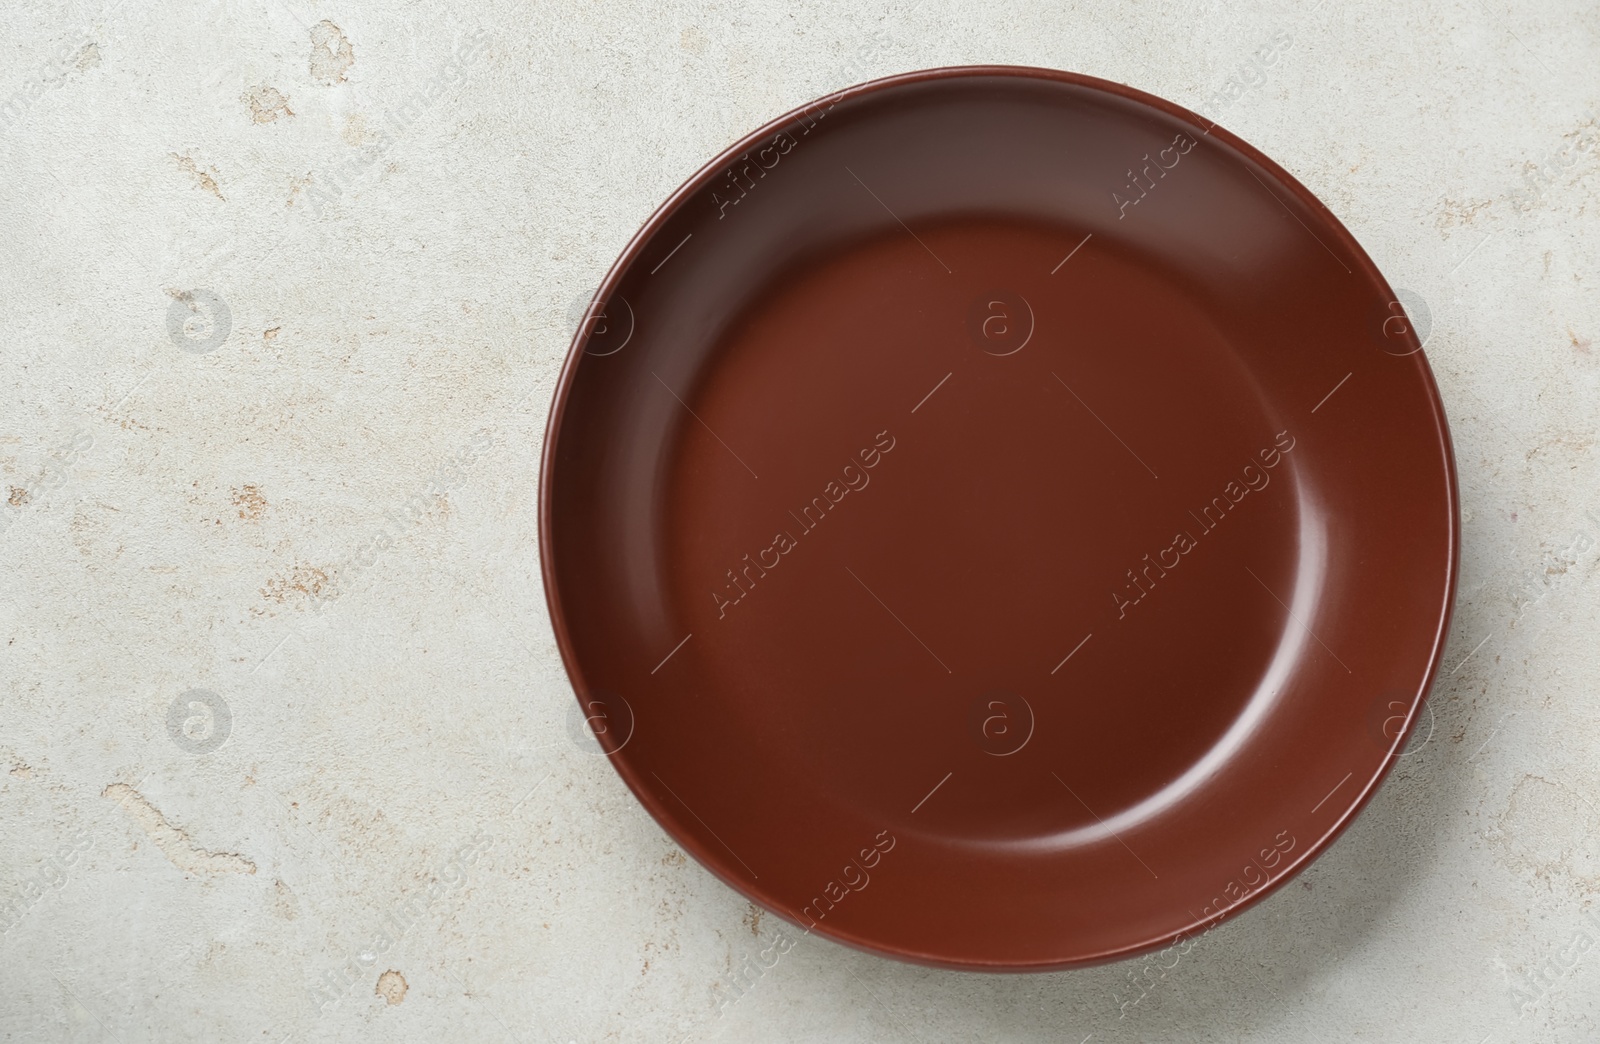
355 130
204 177
302 585
1454 213
251 504
1547 832
284 902
267 104
391 986
297 185
173 842
331 54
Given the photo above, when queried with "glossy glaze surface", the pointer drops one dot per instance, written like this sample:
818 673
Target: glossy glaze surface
998 520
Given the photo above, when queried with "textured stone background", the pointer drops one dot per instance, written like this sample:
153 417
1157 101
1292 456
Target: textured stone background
286 288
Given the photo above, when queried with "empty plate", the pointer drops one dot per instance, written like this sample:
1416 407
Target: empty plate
998 519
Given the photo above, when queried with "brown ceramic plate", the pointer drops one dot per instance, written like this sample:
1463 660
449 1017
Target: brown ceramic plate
997 519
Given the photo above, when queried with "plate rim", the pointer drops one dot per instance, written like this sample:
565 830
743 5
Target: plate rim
652 802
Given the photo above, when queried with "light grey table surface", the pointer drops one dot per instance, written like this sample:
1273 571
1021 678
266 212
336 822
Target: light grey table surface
287 285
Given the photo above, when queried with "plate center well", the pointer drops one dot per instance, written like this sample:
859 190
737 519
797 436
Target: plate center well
982 456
